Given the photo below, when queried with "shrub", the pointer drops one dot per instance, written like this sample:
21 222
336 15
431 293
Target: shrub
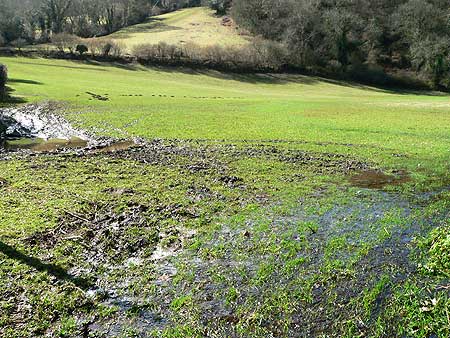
19 43
160 51
3 79
143 51
81 49
112 48
2 41
106 48
259 55
95 46
65 41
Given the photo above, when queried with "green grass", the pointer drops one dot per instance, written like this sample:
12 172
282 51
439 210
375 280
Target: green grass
373 123
275 235
193 25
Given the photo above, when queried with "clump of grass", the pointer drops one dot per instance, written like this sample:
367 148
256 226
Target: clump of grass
436 252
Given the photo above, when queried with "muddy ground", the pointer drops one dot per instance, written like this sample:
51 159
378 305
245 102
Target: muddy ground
224 257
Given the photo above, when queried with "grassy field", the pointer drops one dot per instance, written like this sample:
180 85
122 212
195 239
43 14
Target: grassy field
237 218
193 25
188 104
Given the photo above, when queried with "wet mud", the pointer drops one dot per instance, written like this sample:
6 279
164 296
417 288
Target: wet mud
42 145
376 179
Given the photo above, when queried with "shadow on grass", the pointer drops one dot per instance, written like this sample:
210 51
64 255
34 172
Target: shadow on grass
294 78
124 66
37 264
148 27
78 67
24 81
8 99
253 78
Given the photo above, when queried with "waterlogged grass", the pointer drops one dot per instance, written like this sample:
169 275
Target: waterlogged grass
257 235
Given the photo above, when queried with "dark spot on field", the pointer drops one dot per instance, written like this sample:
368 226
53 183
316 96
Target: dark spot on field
184 96
231 181
98 97
3 182
375 179
115 146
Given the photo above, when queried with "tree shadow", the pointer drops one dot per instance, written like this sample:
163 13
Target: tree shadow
247 77
150 27
37 264
296 78
8 99
67 67
124 66
24 81
151 24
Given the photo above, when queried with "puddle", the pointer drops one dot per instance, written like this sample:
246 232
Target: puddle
41 145
38 122
375 179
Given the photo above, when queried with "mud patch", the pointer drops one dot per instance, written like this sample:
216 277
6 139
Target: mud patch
106 236
375 179
116 146
41 145
201 157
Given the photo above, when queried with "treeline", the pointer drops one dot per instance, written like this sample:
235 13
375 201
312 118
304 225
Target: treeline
31 21
363 37
260 55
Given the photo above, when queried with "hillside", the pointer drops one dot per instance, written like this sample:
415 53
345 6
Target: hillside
193 25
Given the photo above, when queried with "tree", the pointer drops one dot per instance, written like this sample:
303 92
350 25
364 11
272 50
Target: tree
64 41
19 43
339 24
81 49
302 34
56 12
3 79
424 28
432 56
270 19
220 6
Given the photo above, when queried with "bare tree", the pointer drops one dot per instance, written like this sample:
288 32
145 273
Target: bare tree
56 12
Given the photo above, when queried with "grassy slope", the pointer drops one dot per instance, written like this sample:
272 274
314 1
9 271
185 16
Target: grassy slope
393 129
197 25
212 105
